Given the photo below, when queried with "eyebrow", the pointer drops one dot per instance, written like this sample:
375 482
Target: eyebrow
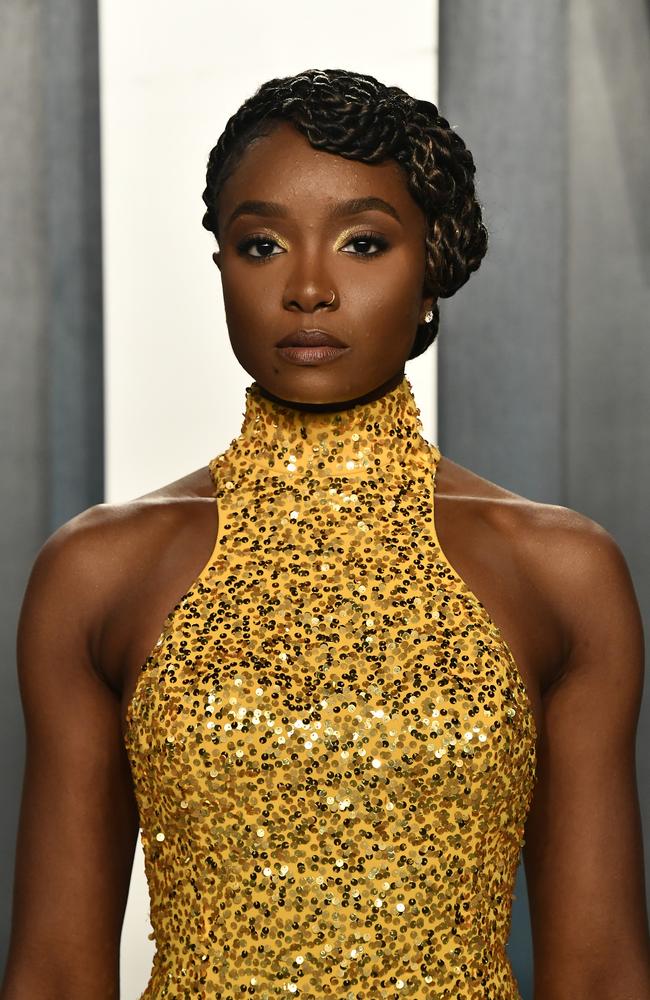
353 206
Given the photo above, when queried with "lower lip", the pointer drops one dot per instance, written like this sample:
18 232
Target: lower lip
311 355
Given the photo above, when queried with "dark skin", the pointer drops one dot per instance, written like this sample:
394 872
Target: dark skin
554 581
378 296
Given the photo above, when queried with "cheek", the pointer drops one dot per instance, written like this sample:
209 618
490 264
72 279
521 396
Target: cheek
246 295
391 289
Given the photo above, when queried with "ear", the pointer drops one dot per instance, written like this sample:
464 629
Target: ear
216 258
427 304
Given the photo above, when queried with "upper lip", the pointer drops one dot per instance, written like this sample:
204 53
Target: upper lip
310 338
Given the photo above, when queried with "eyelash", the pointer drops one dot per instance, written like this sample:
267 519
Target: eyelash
250 241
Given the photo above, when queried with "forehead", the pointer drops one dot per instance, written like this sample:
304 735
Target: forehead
284 167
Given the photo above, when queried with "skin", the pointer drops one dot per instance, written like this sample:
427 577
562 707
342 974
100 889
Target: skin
378 302
554 581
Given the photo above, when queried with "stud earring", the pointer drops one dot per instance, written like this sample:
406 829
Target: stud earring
428 316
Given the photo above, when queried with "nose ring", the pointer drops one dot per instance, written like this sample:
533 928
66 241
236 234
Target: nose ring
331 300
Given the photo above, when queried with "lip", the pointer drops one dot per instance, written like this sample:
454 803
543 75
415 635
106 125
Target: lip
311 355
310 338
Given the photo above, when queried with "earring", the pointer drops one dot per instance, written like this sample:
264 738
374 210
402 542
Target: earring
428 316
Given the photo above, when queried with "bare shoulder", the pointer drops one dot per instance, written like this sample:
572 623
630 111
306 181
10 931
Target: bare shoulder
574 559
88 533
527 520
95 557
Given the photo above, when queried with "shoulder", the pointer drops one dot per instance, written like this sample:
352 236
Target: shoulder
89 557
573 560
583 569
114 522
528 522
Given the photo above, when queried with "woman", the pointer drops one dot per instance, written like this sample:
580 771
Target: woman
335 747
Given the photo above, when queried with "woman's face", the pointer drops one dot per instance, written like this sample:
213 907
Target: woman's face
281 263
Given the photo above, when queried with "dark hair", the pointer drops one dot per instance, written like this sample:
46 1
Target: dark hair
360 118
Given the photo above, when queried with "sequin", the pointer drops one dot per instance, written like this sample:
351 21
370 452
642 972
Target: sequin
333 751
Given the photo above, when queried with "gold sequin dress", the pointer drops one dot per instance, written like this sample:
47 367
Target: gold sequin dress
333 751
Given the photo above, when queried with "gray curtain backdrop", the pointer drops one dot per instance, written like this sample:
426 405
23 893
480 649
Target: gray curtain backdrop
51 399
544 355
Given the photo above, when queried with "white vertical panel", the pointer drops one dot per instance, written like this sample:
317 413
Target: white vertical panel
170 79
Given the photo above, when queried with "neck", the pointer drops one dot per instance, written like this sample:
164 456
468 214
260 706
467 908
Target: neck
336 406
370 438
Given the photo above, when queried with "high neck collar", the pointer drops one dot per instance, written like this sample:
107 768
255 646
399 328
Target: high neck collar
363 439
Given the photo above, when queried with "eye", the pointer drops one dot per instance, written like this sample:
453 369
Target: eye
368 238
257 241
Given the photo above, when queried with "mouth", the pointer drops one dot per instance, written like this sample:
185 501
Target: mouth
311 347
310 338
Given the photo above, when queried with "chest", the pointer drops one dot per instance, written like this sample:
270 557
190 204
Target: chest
330 650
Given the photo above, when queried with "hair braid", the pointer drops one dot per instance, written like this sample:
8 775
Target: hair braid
356 116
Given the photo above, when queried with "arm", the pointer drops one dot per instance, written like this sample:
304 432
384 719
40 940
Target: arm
78 822
583 853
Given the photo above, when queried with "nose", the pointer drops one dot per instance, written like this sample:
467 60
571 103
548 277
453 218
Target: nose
308 291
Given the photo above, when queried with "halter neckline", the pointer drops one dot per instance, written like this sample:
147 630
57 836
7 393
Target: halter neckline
362 438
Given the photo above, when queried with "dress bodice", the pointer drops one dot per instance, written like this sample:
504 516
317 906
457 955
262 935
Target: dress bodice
333 751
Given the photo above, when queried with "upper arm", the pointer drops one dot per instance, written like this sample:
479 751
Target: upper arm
583 850
78 820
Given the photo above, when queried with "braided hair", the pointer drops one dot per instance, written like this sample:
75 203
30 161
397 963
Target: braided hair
360 118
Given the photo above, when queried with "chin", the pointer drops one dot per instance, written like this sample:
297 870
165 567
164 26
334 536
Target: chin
322 385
